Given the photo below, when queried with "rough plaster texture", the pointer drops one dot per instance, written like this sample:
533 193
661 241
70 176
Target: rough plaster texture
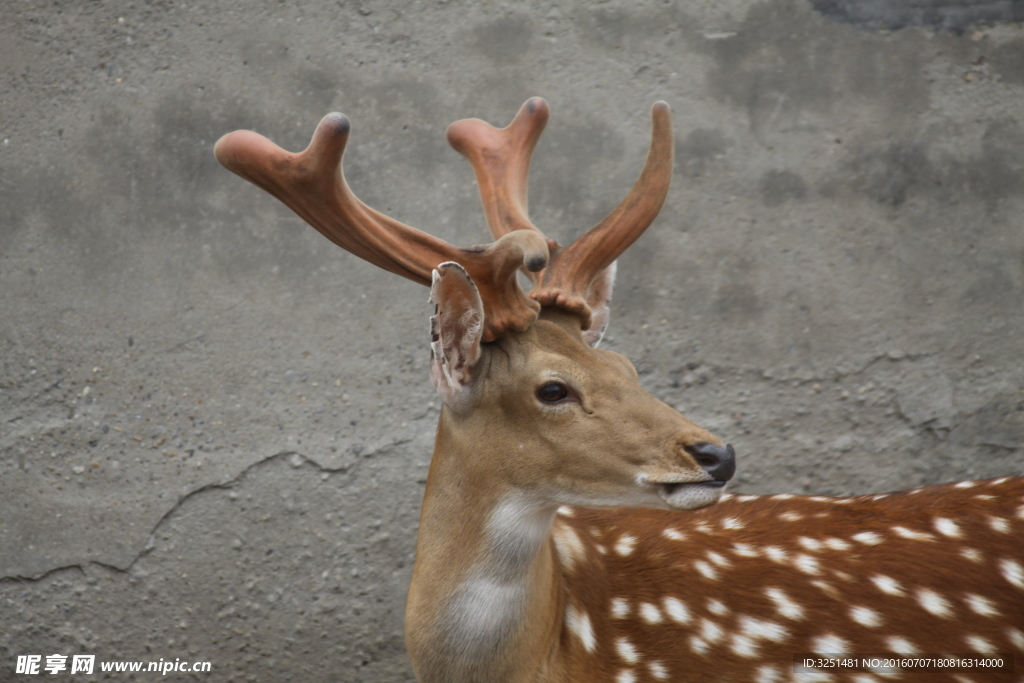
215 427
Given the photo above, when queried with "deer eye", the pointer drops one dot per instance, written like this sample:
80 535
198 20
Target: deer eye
552 392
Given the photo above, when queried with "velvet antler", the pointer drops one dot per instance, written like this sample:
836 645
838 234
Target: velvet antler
501 162
313 185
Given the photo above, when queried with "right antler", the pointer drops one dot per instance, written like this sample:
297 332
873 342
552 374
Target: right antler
501 162
313 185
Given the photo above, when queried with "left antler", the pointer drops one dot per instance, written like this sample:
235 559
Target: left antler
313 185
501 162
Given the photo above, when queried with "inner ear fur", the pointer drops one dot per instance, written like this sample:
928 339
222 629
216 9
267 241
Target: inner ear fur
456 330
599 295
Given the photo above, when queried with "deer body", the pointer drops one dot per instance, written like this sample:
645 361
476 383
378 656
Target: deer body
574 527
736 589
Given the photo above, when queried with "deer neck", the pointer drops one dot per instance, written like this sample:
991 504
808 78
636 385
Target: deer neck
486 597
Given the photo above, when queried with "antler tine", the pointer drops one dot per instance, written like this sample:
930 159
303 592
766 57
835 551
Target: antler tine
312 184
501 162
565 282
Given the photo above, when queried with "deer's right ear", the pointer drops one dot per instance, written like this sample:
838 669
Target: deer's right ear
456 329
599 294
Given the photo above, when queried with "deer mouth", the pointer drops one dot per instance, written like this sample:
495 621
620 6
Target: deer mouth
670 489
690 495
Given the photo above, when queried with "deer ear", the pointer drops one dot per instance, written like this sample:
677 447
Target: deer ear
599 294
456 329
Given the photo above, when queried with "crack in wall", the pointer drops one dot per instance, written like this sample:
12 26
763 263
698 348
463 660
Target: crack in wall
227 484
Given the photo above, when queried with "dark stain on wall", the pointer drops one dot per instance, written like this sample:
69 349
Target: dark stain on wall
780 186
699 149
938 15
896 171
783 59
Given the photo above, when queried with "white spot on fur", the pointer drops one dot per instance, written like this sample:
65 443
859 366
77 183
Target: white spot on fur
699 645
782 496
1012 572
710 631
820 499
911 534
625 545
626 676
720 560
579 623
745 498
791 516
826 588
565 511
658 670
703 528
717 607
768 674
783 604
999 525
569 546
620 608
1000 480
744 550
743 646
811 544
677 611
887 584
900 645
1016 638
706 570
868 538
866 617
673 535
934 603
830 644
965 484
732 523
807 564
981 605
837 544
979 644
759 629
775 554
972 555
650 613
626 651
948 527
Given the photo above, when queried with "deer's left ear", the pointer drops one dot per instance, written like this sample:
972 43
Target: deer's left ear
599 294
456 329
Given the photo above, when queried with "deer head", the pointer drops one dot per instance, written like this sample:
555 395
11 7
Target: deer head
520 368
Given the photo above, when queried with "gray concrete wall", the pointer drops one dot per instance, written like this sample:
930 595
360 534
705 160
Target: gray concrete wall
215 427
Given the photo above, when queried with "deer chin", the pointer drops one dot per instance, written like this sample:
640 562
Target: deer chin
690 495
687 495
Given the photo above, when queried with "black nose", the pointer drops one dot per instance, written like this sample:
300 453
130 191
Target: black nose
718 461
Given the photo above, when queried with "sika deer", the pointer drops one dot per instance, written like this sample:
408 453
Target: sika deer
561 537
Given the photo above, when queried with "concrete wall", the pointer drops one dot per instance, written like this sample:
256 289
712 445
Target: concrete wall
215 427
